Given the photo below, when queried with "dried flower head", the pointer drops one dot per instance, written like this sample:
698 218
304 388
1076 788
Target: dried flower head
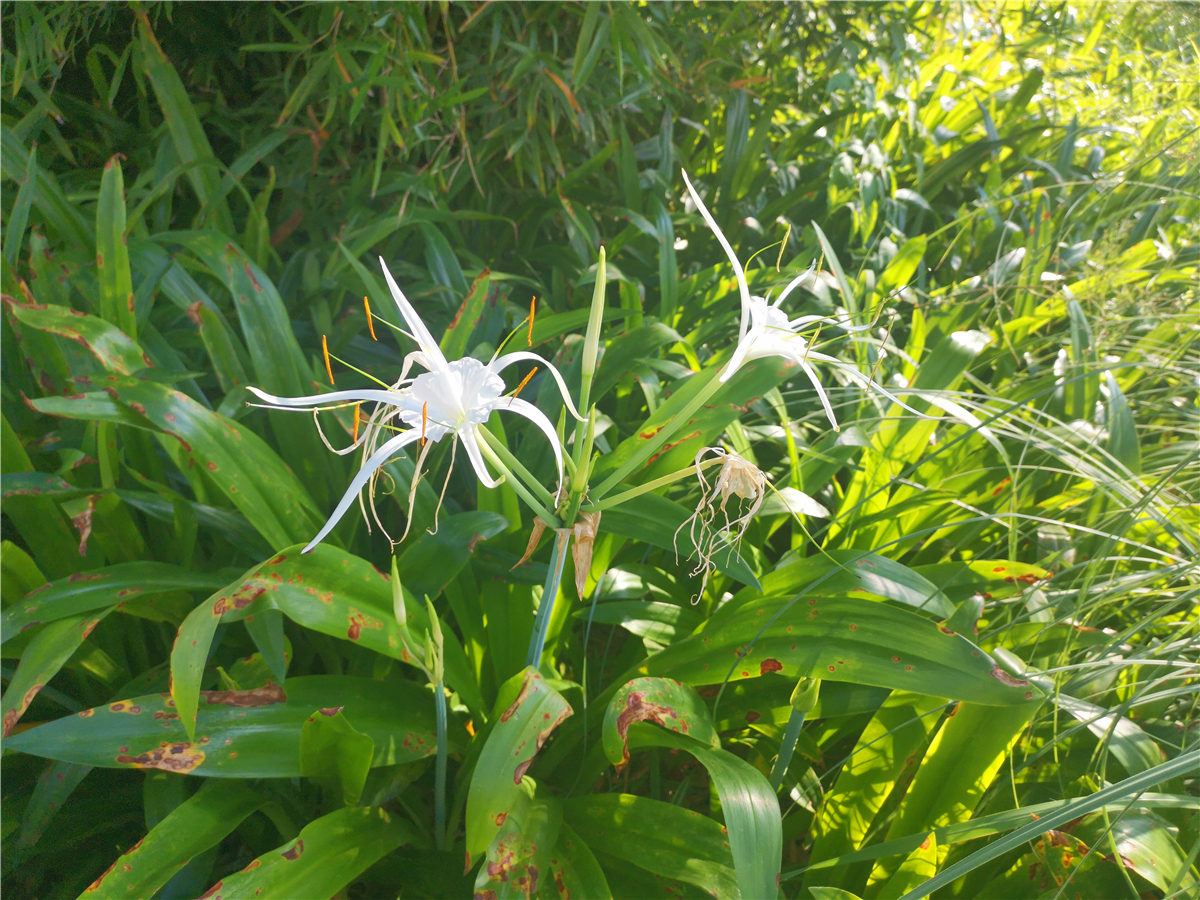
737 476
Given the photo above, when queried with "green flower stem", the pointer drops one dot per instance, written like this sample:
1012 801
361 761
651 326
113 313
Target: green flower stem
541 623
439 782
618 499
647 449
510 460
548 517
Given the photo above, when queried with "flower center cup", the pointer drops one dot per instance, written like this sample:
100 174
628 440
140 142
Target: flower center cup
460 396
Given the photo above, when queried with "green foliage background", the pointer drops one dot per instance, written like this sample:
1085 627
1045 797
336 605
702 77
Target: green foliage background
195 196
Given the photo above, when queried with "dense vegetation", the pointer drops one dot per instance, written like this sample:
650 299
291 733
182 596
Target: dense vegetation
955 650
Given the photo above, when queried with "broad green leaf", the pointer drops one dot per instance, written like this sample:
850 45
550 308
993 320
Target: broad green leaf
992 578
748 803
432 561
520 854
1146 846
112 254
327 590
112 347
242 734
46 653
330 852
575 869
334 753
54 786
839 640
187 134
920 866
100 589
198 823
668 703
887 752
661 522
458 332
959 766
662 838
533 712
14 234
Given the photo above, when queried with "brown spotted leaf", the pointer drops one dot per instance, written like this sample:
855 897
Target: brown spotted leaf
663 701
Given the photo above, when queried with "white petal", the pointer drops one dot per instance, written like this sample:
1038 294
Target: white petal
796 282
538 418
360 480
503 362
471 444
424 338
816 383
363 396
745 345
743 288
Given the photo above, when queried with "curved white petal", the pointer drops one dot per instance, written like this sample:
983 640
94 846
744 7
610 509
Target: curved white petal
801 321
872 385
538 418
471 444
745 345
424 338
360 481
363 396
795 283
816 383
743 288
503 362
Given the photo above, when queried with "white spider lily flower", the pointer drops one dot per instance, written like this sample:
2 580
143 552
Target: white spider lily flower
766 329
454 397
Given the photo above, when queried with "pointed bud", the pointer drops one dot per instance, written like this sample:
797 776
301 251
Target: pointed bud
398 597
804 697
591 341
435 626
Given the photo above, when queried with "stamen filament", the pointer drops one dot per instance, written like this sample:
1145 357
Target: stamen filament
524 381
370 318
382 384
325 350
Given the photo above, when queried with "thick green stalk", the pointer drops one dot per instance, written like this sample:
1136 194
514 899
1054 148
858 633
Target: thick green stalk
541 623
523 492
648 448
804 699
439 781
510 460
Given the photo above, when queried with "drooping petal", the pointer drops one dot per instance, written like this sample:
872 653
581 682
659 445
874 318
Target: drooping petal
795 283
362 396
872 385
745 345
816 383
360 480
538 418
471 444
501 363
743 288
430 347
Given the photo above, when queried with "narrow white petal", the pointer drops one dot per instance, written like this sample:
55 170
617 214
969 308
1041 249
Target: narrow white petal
471 444
743 288
801 321
873 385
816 383
363 396
745 345
424 338
538 418
499 365
360 480
796 282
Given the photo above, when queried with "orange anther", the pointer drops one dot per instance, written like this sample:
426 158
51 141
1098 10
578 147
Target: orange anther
524 381
424 420
357 413
325 350
370 318
532 313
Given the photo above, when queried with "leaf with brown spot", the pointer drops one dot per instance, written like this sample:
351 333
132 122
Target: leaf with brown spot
663 701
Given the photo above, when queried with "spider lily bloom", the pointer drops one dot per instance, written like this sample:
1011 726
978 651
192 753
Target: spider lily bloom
451 398
766 329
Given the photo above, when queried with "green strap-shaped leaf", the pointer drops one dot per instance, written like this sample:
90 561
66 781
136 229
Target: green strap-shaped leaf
198 823
330 853
14 234
112 347
458 332
187 134
960 764
334 753
520 854
575 869
59 213
41 659
100 589
253 733
112 255
432 561
839 640
54 786
662 838
534 711
748 801
663 701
